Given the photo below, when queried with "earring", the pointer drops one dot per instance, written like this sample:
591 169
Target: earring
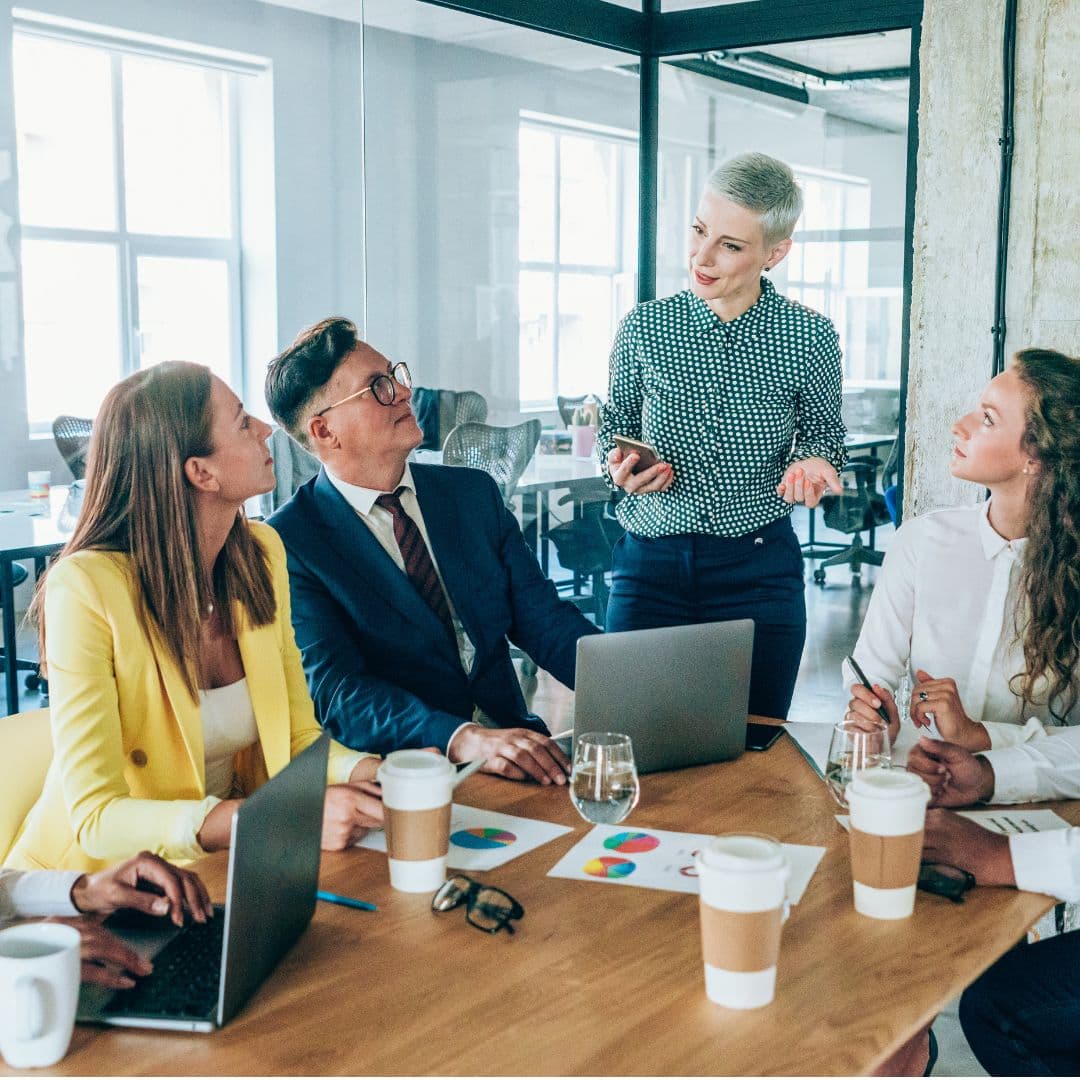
1026 470
766 268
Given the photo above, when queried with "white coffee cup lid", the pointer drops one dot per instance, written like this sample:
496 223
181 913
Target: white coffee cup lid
745 853
886 784
416 765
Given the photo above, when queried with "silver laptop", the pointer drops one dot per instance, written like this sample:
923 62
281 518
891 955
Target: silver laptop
679 692
204 973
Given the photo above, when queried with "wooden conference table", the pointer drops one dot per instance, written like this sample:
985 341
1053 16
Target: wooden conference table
598 979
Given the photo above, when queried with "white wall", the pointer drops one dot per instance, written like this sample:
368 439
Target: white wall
317 162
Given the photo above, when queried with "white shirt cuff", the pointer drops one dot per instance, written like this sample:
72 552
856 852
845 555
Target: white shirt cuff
43 892
1002 735
1016 777
449 742
1047 862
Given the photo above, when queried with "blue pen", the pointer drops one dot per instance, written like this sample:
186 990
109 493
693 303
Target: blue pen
345 901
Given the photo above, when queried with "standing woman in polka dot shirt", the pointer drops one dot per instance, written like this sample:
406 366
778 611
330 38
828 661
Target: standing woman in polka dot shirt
738 389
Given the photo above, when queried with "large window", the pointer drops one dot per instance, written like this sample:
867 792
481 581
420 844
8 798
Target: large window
128 206
577 245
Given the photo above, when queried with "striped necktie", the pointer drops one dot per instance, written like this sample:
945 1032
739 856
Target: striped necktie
418 564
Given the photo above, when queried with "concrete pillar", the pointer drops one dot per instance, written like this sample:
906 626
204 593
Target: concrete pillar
952 307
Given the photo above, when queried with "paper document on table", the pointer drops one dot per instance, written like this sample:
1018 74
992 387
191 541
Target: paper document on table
1004 821
484 839
658 859
813 739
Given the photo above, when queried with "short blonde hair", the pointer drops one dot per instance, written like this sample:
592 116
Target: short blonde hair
763 185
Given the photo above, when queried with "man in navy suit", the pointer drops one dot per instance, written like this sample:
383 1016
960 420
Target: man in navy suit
407 580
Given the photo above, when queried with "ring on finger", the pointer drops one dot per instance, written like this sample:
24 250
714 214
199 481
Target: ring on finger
923 695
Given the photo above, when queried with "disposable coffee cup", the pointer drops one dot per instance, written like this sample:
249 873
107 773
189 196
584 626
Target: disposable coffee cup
888 812
742 883
39 992
417 792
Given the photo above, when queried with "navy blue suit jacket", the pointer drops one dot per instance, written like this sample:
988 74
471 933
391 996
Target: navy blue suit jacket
382 670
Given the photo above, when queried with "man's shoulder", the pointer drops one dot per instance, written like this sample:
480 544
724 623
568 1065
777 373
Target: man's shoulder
451 478
292 521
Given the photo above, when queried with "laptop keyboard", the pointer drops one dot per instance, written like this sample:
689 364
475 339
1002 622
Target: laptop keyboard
185 980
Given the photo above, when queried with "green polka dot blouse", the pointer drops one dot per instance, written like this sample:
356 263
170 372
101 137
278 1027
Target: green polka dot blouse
729 404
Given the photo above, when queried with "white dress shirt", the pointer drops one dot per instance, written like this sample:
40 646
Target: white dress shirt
381 523
946 601
25 893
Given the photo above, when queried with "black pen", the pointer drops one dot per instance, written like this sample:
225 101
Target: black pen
881 711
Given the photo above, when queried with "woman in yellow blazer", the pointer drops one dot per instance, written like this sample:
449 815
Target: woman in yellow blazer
175 684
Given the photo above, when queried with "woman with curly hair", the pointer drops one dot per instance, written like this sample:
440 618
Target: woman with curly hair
982 603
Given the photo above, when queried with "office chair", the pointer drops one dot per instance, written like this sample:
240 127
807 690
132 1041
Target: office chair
72 437
859 509
438 412
502 452
293 466
567 406
584 546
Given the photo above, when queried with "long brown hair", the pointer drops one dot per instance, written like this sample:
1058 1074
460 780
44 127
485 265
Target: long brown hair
138 501
1050 582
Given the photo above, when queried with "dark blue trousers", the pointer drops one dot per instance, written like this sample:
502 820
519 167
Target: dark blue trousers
1022 1017
677 580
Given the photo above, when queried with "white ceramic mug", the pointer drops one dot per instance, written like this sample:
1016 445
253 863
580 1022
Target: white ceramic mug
743 882
417 792
888 812
39 992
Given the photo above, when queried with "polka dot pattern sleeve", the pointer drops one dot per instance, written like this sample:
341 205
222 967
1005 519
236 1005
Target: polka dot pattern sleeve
728 404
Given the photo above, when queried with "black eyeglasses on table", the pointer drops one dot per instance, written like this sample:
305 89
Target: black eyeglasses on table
487 908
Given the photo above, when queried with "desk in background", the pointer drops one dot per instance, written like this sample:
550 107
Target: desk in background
599 979
28 530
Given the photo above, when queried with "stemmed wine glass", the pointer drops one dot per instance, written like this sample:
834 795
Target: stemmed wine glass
604 785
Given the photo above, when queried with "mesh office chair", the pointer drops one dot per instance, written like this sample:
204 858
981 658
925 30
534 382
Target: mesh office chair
859 509
567 406
502 452
584 546
72 437
438 412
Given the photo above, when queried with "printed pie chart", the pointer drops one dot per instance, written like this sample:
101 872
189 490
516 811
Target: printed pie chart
607 866
631 842
481 839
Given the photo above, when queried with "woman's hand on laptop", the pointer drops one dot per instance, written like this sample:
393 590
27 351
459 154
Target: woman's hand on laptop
350 810
516 753
172 891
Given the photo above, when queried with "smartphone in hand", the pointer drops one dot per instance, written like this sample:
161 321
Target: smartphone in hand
647 455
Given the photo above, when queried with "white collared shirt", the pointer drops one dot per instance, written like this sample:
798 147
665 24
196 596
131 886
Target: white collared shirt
381 523
946 601
36 892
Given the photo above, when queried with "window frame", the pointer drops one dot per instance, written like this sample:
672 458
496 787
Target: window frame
129 245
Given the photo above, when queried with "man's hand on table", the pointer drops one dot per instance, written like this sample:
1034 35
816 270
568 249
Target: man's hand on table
956 841
515 753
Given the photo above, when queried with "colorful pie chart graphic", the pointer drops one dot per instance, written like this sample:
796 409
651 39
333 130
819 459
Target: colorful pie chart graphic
631 843
481 839
607 866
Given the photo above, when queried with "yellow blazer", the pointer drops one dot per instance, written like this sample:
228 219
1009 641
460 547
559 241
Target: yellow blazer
128 766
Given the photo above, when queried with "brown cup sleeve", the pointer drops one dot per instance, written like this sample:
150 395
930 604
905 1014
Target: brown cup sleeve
885 862
416 835
740 940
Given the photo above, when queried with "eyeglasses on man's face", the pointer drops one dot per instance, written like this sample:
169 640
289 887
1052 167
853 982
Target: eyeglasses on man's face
383 388
487 908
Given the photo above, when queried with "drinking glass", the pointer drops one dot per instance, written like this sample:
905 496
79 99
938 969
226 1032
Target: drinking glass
604 784
855 745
